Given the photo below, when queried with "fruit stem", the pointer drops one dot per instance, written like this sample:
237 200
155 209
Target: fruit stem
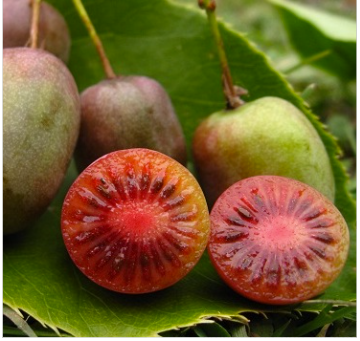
232 93
95 38
34 29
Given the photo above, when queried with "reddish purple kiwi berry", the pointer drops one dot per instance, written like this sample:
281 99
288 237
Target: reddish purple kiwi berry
268 136
41 121
53 37
128 112
135 221
276 240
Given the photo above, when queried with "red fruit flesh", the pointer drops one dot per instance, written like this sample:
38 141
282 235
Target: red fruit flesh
135 221
276 240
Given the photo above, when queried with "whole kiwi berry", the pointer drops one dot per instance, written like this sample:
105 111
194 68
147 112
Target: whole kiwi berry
54 34
41 120
128 112
268 136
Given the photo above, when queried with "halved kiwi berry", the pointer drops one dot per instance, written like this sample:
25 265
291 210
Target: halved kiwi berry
276 240
135 221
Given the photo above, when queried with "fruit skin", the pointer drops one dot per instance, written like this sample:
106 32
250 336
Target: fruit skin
128 112
268 136
135 221
41 120
53 36
276 240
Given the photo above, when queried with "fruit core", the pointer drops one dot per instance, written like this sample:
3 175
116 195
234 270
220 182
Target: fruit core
141 220
279 233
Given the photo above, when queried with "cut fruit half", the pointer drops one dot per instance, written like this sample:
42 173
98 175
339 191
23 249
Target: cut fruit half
276 240
135 221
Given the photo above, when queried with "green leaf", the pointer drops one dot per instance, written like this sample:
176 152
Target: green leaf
342 127
238 330
279 331
211 330
343 328
172 44
325 317
313 32
262 328
18 320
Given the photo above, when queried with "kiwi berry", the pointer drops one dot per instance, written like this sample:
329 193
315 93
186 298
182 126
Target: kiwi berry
268 136
54 35
135 221
128 112
276 240
41 120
